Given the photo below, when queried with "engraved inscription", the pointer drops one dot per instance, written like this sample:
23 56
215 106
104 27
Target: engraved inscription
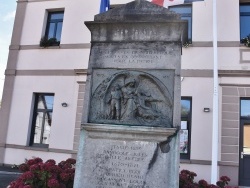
122 166
128 56
133 98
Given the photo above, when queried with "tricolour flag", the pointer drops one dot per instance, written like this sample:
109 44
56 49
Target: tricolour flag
105 5
167 3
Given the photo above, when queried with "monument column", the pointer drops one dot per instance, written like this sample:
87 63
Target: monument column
131 115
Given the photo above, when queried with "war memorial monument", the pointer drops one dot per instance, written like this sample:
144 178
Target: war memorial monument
131 112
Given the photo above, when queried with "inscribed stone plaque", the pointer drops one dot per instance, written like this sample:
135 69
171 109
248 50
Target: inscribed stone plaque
156 55
124 164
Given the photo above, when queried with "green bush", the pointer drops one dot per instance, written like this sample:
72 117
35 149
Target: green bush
45 42
246 41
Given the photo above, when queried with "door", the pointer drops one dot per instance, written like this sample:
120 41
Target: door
244 146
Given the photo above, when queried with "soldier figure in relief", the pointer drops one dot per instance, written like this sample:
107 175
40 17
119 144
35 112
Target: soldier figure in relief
115 104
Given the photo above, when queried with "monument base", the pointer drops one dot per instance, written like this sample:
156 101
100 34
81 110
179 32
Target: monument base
128 157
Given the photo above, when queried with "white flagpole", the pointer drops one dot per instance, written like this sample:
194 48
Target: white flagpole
214 168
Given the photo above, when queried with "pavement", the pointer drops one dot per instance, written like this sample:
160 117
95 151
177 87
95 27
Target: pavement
7 175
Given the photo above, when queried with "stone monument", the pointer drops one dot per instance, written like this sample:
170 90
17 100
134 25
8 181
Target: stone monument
131 115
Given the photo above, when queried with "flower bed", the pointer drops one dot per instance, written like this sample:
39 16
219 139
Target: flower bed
39 174
186 180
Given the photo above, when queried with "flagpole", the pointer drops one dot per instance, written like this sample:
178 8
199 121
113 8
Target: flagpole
215 135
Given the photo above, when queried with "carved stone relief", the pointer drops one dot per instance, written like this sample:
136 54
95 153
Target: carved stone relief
132 98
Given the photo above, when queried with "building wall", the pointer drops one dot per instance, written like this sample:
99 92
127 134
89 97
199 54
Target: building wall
62 70
28 154
74 30
201 125
39 70
45 59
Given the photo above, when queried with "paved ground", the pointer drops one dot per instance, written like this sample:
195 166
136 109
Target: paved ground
7 175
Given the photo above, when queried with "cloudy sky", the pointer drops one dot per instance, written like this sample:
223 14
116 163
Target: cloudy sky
7 15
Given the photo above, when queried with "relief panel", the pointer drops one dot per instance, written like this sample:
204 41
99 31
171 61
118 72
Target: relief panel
127 97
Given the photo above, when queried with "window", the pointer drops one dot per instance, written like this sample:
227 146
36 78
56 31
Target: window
42 119
54 26
186 14
244 20
245 108
185 132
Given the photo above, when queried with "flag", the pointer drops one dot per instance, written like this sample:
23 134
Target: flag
105 5
167 3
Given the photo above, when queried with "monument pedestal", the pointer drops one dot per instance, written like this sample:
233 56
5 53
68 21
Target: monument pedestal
123 156
131 116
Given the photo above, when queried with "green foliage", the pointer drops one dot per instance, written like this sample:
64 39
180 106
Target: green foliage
246 41
186 44
45 42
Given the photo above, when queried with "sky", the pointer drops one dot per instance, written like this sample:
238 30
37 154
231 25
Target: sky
7 15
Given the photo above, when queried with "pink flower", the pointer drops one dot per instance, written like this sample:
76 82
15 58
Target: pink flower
61 164
39 173
203 183
53 183
12 184
16 184
71 161
212 186
53 176
72 176
66 166
38 160
70 170
55 169
27 176
31 162
51 167
34 167
62 186
23 167
64 176
52 161
224 178
27 186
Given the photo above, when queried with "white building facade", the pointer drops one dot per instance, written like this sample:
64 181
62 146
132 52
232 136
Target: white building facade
44 87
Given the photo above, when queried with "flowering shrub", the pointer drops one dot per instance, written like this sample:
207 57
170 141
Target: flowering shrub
186 180
223 181
39 174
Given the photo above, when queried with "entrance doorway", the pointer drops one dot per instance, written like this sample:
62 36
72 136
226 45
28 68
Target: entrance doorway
244 166
244 143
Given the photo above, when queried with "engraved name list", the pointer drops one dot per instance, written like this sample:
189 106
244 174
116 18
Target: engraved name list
121 165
